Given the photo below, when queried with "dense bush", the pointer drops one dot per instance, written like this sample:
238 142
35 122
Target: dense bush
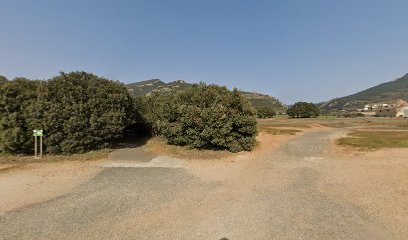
18 113
156 109
3 80
202 116
265 112
303 110
353 115
81 111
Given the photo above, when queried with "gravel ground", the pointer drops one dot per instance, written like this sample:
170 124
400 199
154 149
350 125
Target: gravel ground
272 196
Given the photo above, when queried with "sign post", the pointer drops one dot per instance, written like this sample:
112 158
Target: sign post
38 133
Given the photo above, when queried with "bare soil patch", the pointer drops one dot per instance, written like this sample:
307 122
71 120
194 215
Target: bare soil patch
375 181
26 180
236 167
30 183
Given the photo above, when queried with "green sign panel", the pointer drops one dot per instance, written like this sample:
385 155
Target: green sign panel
37 133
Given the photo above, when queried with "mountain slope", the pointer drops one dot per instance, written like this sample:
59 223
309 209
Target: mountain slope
382 93
145 88
259 100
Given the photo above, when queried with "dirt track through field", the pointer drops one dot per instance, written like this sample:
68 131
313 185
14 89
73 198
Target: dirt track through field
277 193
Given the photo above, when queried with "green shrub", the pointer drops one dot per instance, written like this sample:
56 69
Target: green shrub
265 111
303 110
81 112
353 115
203 116
3 80
19 115
156 109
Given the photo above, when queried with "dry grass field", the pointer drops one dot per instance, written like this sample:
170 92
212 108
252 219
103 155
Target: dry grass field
364 133
372 139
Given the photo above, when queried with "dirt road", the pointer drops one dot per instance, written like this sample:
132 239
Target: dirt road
282 193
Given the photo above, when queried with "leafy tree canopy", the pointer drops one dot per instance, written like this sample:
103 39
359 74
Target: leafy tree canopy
303 110
82 111
3 79
19 115
265 111
203 116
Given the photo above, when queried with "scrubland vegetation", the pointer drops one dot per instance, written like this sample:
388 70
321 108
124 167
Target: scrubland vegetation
80 112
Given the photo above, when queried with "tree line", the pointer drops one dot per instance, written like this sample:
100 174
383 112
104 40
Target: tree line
80 111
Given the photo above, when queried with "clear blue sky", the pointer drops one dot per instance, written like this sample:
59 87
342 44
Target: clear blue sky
295 50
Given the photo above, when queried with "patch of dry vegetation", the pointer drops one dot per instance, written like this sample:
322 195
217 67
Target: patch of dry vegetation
368 140
161 147
277 131
23 159
267 123
387 123
335 122
306 123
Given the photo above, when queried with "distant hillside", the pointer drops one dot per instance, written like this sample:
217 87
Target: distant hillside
383 93
145 88
258 99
